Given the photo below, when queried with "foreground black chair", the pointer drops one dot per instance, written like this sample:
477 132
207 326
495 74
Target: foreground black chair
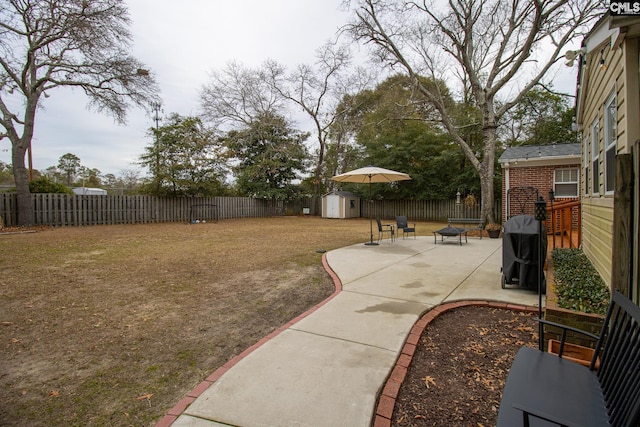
385 228
401 222
543 389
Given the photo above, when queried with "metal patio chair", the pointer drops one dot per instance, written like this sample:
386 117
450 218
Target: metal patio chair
403 225
385 228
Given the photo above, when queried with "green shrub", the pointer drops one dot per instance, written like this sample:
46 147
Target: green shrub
578 284
45 185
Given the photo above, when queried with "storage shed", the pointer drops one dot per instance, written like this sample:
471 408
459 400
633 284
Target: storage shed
86 191
340 204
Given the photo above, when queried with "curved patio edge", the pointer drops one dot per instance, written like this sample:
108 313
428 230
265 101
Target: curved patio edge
173 413
389 391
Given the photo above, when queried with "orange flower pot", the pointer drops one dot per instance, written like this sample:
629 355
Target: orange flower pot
574 352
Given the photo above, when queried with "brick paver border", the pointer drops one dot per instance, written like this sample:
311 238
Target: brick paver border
191 396
387 398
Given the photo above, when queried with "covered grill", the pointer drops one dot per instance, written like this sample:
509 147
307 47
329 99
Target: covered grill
521 242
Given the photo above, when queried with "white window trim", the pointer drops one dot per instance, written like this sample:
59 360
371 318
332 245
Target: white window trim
576 182
609 145
595 155
586 164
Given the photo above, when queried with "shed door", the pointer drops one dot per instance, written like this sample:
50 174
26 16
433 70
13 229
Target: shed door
333 206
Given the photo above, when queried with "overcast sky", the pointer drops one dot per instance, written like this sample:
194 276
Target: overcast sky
182 42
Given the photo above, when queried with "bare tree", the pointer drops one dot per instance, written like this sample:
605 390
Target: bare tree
492 52
237 95
47 44
318 90
129 179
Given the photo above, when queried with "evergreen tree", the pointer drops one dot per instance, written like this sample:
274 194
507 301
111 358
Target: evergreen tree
269 156
184 160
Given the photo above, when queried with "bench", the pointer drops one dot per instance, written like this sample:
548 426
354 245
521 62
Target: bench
544 389
465 222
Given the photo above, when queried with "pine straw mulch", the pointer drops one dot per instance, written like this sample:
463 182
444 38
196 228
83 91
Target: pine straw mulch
460 366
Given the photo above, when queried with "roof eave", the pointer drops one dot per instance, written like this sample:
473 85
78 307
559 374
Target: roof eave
547 161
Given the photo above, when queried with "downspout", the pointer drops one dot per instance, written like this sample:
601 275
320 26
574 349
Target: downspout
507 187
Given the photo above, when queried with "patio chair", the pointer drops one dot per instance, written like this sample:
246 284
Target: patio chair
385 228
401 222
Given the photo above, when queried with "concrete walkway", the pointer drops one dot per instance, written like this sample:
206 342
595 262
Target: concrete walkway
327 369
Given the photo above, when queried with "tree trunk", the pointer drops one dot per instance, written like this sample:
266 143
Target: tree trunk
486 173
316 183
21 177
487 195
317 174
19 147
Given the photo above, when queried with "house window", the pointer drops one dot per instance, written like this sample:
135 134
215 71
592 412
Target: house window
585 164
595 153
610 137
565 182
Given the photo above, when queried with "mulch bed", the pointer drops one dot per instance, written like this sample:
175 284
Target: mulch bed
460 366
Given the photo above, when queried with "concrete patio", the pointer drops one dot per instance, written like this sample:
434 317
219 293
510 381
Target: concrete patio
327 368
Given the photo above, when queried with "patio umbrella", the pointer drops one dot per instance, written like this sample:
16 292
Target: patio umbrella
369 175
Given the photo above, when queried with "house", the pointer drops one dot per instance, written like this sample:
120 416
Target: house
340 204
542 167
608 117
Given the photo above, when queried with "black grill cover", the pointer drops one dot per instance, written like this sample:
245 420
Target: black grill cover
520 243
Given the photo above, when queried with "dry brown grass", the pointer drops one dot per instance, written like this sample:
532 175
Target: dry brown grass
93 319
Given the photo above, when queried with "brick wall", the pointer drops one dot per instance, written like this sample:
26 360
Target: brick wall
586 322
540 177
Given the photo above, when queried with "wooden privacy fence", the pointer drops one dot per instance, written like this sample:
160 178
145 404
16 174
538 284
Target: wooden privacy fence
424 210
76 210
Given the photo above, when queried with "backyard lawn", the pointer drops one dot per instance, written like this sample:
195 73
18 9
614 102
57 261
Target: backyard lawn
113 325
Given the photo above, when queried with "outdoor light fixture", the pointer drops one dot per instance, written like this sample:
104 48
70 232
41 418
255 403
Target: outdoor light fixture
603 66
571 56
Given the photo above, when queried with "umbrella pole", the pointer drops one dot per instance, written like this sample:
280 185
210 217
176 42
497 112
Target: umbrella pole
370 242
